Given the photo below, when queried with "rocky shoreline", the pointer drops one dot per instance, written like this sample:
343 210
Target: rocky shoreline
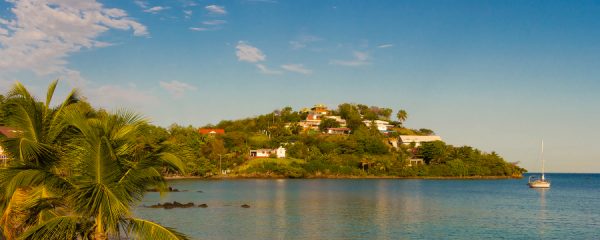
175 204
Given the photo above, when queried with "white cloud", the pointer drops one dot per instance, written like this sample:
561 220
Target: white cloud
297 68
214 9
264 70
360 59
177 88
385 46
248 53
214 22
43 33
155 9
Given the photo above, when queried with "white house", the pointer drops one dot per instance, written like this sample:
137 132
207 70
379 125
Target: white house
338 130
381 125
408 139
265 153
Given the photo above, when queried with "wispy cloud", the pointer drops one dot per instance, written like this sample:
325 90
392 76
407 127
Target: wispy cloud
261 1
140 3
177 88
297 68
200 29
214 22
215 9
118 96
303 41
44 33
264 70
247 53
360 59
188 13
385 46
155 9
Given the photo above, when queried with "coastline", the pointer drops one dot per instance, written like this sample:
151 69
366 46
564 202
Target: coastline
341 177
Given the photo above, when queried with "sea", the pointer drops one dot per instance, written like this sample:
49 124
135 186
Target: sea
382 208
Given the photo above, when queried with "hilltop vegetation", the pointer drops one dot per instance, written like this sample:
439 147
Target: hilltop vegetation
365 151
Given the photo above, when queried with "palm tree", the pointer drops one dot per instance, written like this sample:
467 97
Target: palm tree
106 178
33 173
109 179
402 115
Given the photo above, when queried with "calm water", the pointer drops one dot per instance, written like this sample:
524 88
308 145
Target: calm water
384 209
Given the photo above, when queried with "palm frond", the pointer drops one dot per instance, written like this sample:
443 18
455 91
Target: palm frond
111 202
59 228
144 229
50 93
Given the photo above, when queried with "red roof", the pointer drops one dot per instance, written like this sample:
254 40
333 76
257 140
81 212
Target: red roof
211 131
8 132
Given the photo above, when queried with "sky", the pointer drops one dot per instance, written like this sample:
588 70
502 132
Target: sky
497 75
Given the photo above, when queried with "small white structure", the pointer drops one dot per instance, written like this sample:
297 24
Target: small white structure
338 130
381 125
280 152
2 155
408 139
415 162
265 153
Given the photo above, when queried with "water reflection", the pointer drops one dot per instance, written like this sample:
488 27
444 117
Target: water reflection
542 216
378 209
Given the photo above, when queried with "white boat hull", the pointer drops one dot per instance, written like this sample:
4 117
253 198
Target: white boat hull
539 184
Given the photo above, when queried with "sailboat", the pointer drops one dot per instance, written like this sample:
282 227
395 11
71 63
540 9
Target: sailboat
542 182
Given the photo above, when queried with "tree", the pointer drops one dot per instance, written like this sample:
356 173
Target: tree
328 123
433 152
74 176
33 173
425 131
109 177
402 115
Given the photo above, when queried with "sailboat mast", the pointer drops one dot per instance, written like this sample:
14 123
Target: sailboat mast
542 158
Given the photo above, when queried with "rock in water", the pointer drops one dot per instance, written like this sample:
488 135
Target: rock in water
246 206
204 205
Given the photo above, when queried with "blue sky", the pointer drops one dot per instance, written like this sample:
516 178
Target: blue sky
497 75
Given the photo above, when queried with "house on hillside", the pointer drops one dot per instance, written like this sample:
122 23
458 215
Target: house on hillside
417 140
338 119
211 131
382 126
413 162
341 130
265 153
320 109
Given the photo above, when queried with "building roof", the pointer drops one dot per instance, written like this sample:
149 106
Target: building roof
378 122
416 138
211 131
8 131
339 129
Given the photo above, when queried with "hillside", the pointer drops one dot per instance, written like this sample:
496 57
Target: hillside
353 140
